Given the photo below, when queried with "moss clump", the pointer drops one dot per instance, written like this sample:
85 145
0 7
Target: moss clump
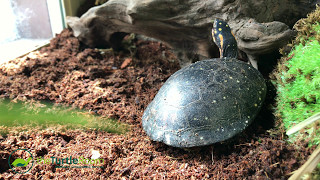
298 78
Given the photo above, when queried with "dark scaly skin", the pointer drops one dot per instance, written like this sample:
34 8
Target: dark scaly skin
224 39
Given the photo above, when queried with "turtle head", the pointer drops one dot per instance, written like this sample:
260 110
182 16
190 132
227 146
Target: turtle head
224 39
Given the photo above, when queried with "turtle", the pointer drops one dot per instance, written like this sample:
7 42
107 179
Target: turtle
21 162
208 101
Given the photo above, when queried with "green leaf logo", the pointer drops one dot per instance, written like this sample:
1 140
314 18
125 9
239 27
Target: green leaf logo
20 165
21 162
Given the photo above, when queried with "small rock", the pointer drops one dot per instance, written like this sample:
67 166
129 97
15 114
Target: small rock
95 154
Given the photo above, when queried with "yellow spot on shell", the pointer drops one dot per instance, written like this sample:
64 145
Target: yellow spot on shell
220 29
227 25
220 23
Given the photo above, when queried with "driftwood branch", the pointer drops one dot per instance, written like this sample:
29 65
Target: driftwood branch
259 26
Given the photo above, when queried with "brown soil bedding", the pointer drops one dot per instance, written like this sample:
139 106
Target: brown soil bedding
120 87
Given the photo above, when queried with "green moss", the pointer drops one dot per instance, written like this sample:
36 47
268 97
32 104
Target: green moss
301 93
298 78
19 116
299 97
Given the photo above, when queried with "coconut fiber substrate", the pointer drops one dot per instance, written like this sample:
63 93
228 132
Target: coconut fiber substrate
119 86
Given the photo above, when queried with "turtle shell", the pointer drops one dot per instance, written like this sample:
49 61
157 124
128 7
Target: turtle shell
206 102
